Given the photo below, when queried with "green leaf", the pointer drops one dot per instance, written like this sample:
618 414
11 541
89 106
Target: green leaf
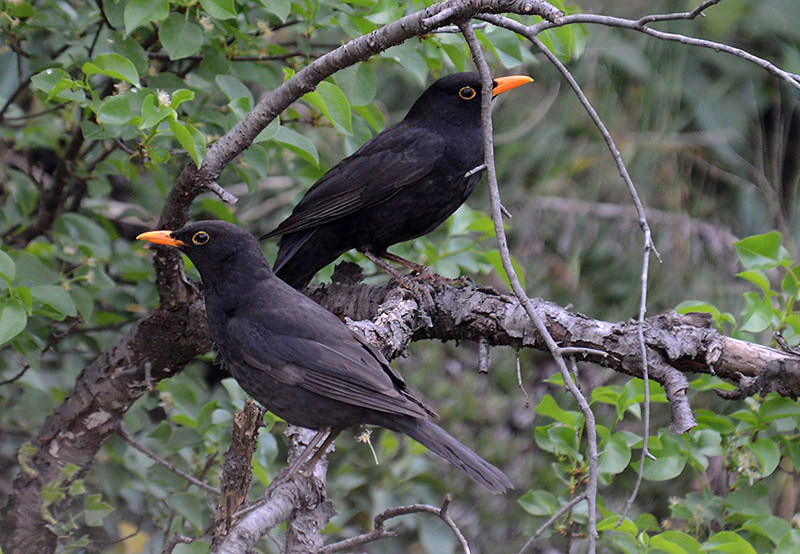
191 506
408 56
504 44
153 113
55 297
180 96
769 526
298 144
728 541
329 100
269 132
493 257
12 320
181 38
235 90
758 278
219 9
712 420
616 455
20 10
777 407
790 544
538 503
744 503
610 524
549 408
115 110
115 66
761 251
7 266
46 80
96 510
768 454
668 540
192 140
280 8
607 394
338 107
139 12
758 313
791 282
358 83
664 467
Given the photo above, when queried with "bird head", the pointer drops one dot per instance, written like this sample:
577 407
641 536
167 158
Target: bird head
212 246
457 97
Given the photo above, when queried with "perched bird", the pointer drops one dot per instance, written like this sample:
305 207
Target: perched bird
400 185
298 359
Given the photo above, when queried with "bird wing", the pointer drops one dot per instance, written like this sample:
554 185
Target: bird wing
393 160
332 362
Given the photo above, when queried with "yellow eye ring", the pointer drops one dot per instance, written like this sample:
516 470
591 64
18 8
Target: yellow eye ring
467 93
200 238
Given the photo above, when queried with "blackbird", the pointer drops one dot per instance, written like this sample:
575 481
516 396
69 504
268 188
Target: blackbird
298 359
398 186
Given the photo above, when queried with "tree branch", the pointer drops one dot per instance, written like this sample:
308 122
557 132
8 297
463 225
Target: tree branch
519 291
380 532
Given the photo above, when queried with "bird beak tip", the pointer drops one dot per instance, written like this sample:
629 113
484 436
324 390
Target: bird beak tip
503 84
160 237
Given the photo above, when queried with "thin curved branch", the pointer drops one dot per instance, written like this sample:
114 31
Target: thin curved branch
380 532
648 245
561 511
122 432
519 291
635 25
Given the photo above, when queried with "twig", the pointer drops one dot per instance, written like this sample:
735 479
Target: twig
483 356
379 532
678 15
564 509
519 381
200 57
21 372
516 286
174 541
649 246
156 458
634 25
237 468
453 29
223 194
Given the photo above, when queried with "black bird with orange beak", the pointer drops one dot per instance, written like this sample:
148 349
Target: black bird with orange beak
400 185
298 359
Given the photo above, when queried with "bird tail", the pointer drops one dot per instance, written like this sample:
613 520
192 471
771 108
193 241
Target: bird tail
440 442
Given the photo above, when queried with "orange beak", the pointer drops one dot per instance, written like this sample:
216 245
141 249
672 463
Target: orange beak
161 237
502 84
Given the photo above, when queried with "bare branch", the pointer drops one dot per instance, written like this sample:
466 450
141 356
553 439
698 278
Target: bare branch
237 468
379 531
122 432
175 541
516 286
634 25
561 511
678 15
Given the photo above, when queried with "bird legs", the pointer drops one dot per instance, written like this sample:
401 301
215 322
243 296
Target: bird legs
304 464
425 273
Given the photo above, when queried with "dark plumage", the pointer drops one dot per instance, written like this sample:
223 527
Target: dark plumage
400 185
296 358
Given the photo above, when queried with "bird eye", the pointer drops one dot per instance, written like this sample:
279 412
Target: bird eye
200 238
467 93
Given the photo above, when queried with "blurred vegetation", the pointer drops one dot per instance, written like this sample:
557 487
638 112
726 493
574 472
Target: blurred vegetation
104 105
